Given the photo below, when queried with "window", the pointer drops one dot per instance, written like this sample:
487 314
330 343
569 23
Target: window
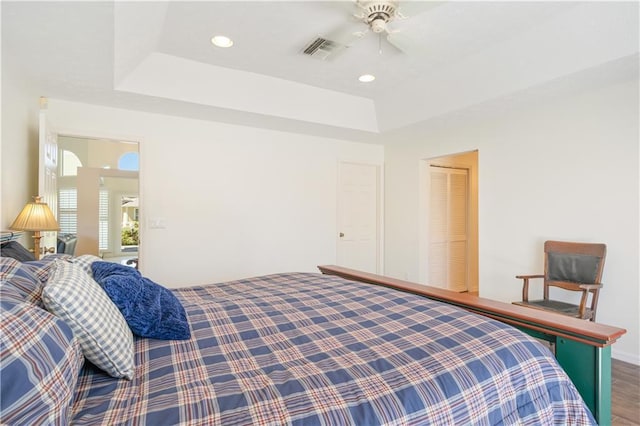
129 161
69 164
68 215
103 221
68 210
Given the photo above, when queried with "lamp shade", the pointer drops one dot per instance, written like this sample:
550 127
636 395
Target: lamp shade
35 216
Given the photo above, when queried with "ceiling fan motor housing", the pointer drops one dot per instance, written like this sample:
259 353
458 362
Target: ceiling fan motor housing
379 13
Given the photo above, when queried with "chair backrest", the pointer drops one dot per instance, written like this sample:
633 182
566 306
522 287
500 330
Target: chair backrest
67 244
580 263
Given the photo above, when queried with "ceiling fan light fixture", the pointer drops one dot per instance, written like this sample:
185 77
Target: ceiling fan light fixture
378 25
366 78
221 41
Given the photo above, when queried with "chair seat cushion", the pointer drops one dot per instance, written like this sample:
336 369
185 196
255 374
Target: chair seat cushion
556 306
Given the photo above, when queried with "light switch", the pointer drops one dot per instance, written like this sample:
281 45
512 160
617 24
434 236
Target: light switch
157 223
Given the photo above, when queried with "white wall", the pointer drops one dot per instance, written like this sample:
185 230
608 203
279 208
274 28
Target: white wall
563 169
237 201
19 147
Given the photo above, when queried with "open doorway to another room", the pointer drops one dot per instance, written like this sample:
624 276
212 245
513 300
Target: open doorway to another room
98 204
449 222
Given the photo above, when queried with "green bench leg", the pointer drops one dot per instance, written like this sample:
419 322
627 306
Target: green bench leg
589 368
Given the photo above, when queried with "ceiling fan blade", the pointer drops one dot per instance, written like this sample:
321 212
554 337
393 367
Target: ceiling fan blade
346 34
404 43
348 6
409 8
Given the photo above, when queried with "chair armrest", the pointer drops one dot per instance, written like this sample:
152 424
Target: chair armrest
586 288
590 286
525 285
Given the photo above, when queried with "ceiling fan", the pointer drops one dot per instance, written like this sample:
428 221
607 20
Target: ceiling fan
376 15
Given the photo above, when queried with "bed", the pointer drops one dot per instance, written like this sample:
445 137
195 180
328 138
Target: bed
291 348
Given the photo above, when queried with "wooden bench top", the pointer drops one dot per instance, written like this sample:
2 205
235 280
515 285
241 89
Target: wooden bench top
551 323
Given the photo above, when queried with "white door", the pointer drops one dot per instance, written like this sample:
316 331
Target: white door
358 244
48 170
448 228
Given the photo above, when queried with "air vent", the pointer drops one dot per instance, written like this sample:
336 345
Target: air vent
323 49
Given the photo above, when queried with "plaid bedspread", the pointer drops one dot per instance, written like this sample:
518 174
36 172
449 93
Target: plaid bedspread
309 349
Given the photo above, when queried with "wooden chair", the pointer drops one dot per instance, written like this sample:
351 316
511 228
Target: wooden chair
570 266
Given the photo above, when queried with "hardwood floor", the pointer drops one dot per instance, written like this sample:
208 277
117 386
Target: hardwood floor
625 394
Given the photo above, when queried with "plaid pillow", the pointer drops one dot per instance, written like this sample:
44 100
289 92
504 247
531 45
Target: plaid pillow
8 266
42 268
26 279
104 336
40 362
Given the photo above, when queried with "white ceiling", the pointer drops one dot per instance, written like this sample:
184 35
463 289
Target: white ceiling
156 56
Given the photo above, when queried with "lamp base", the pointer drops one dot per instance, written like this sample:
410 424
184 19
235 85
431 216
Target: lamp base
36 244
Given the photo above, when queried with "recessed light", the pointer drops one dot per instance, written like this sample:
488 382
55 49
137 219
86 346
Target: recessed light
367 78
221 41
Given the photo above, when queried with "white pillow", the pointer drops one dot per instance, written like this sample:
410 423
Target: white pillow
104 335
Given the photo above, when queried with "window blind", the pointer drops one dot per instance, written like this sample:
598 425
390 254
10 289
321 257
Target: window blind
68 210
68 214
103 220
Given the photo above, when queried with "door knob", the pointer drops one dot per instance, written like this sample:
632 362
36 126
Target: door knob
341 234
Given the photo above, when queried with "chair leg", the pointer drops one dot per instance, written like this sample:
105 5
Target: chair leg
525 290
583 303
594 305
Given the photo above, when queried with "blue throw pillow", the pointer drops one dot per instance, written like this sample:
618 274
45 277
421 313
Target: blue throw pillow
150 310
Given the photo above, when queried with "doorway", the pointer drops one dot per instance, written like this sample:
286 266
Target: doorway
91 184
80 178
449 224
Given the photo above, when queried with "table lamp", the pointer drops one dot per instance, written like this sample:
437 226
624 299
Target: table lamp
35 216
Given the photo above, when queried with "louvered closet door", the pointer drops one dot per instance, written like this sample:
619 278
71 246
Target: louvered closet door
448 228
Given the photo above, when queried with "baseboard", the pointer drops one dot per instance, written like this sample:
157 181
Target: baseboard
625 356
